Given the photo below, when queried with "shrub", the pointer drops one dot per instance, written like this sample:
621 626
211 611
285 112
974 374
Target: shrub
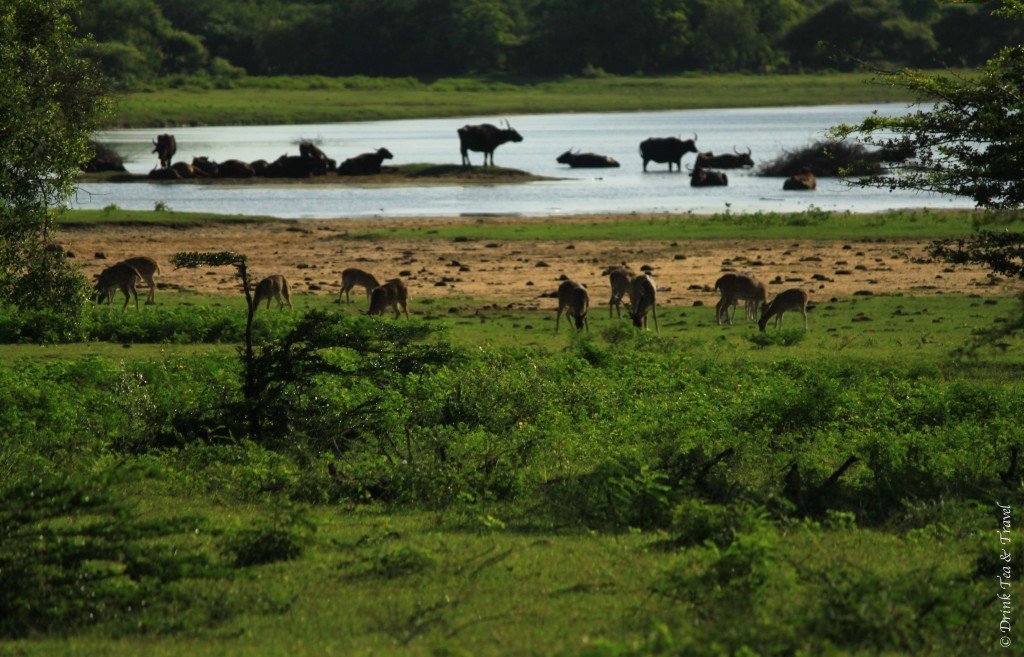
282 539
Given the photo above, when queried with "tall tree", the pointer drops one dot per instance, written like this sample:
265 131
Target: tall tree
967 139
50 101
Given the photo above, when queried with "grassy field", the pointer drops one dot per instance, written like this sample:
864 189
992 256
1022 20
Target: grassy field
254 101
812 224
473 483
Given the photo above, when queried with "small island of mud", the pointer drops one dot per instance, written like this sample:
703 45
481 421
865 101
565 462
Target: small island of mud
390 176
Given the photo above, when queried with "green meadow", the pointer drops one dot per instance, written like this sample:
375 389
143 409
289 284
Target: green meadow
313 99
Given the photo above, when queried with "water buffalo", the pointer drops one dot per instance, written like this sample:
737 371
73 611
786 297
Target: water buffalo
295 166
586 160
164 174
365 164
701 177
309 150
165 147
484 138
667 149
186 170
735 160
235 169
801 182
260 167
207 166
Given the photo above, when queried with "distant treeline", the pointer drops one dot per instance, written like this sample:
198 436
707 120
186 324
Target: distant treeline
140 40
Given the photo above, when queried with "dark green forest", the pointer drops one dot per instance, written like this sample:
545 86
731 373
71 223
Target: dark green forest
137 41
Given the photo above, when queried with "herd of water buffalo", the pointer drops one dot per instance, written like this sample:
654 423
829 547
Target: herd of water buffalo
483 138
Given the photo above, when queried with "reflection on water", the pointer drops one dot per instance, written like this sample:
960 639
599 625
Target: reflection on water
766 131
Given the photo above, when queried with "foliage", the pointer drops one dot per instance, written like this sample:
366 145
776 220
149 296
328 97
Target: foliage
829 158
50 101
139 40
969 143
71 555
283 539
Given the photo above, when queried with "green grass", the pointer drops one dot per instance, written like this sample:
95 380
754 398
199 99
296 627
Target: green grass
812 224
542 571
255 101
119 217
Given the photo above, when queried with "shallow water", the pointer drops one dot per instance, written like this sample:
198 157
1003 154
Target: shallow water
766 131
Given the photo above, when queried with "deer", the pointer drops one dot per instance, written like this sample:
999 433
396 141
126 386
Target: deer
642 293
793 299
392 294
574 301
620 278
736 287
120 276
353 277
146 267
274 286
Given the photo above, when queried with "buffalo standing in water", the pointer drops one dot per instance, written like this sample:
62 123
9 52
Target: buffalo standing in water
667 150
586 160
165 147
365 164
484 138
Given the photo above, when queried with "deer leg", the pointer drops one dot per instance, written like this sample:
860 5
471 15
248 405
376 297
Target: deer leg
127 296
804 312
558 318
654 311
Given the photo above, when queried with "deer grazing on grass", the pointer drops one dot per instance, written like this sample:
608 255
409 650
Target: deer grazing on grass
353 277
642 300
574 301
620 278
274 286
793 299
735 288
120 276
392 294
146 267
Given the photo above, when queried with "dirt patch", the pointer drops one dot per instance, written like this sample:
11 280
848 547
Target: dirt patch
311 254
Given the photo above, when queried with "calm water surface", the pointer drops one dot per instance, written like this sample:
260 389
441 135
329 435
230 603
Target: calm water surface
767 131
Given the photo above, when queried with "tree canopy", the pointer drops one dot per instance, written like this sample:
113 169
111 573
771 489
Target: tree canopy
967 139
50 101
141 40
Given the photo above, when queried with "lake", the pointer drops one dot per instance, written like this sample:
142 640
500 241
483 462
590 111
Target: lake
766 131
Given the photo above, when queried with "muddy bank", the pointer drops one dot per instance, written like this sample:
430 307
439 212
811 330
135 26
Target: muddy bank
390 176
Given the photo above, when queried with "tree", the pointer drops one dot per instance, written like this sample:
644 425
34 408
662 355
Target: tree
50 102
969 143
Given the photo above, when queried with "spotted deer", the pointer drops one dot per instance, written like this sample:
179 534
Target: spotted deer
619 278
793 299
736 288
353 277
642 299
120 276
146 267
271 287
393 294
574 301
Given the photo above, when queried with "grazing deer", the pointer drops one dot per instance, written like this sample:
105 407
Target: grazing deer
120 276
274 286
353 277
146 268
737 287
392 294
642 299
620 278
793 299
575 302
